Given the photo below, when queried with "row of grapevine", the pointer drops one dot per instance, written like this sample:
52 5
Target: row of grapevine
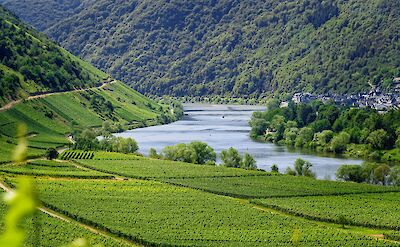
277 186
372 210
78 155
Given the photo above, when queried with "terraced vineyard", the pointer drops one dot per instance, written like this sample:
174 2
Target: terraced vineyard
277 186
152 168
52 169
154 213
371 210
75 154
50 119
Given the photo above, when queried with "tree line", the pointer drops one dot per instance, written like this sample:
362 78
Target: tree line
327 127
201 153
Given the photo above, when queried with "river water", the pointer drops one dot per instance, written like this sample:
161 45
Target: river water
224 126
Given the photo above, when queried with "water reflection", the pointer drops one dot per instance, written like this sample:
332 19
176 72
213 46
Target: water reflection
224 126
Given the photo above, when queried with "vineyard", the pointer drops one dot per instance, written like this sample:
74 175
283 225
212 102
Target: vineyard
51 169
113 156
151 168
154 213
370 210
55 232
193 205
78 155
277 186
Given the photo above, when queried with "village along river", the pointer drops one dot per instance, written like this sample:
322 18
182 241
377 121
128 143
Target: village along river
224 126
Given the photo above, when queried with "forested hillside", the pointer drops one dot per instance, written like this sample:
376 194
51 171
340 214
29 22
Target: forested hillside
229 47
31 63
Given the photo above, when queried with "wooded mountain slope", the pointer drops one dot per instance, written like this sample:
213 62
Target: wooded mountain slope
229 47
31 63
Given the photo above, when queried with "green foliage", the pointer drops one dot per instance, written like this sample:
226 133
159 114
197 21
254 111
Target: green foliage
326 127
22 203
194 152
301 168
369 173
153 154
231 158
51 153
275 168
378 139
226 48
339 142
88 141
31 63
248 162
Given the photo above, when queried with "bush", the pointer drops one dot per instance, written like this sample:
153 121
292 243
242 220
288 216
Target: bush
51 154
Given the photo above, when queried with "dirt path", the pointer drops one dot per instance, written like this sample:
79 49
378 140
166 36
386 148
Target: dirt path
43 95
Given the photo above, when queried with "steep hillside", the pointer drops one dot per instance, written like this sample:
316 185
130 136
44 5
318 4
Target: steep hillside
229 47
61 94
30 63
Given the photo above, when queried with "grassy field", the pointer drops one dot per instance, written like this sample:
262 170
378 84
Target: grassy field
51 169
372 210
153 168
155 213
277 186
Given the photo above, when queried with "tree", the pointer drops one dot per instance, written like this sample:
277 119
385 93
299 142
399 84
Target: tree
231 158
304 137
378 139
275 168
248 162
303 168
86 141
290 136
278 124
352 173
179 152
51 153
339 142
394 176
194 152
203 152
153 154
258 127
381 173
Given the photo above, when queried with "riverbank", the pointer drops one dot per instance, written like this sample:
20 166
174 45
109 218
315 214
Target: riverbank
225 126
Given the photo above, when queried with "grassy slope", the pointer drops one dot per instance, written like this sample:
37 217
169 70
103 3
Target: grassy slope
71 111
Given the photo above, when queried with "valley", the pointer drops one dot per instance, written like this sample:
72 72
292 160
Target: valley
86 160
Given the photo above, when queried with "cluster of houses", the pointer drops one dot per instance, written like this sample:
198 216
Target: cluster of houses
376 99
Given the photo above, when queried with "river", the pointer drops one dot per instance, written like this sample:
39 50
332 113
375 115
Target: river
224 126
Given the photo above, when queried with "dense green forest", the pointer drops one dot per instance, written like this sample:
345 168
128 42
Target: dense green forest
229 47
330 128
32 63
